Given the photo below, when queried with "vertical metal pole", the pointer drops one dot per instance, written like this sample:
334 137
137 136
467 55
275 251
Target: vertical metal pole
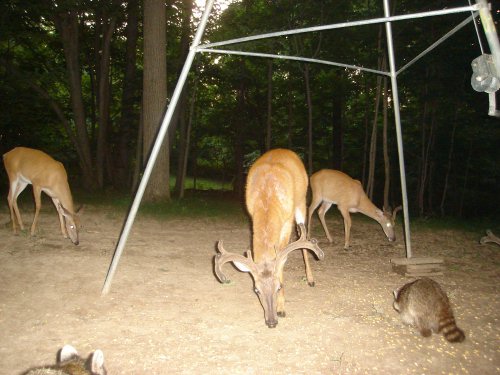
156 148
397 118
490 32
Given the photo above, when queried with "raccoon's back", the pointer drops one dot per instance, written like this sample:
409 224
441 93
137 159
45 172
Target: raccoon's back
73 367
424 304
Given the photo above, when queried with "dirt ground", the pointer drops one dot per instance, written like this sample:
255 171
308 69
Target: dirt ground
166 312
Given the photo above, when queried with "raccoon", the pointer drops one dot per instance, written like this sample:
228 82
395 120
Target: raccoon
70 363
423 304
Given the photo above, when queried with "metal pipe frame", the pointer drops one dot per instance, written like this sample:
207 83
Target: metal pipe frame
489 28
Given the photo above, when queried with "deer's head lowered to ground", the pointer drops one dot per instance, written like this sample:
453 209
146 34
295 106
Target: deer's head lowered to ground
329 187
266 275
275 198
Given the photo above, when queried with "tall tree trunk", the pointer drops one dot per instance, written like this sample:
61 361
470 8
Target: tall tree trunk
382 63
129 121
269 103
387 161
239 180
104 97
181 108
372 156
427 143
309 120
181 117
466 180
337 127
155 96
290 115
366 122
67 26
184 150
448 164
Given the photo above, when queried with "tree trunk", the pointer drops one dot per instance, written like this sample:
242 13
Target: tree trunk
387 161
466 180
269 102
382 63
67 26
129 121
290 116
239 179
181 117
337 128
104 98
365 142
184 150
373 143
426 152
309 120
155 97
450 158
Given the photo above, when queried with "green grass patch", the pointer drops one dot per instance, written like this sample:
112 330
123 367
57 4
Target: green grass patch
220 206
478 225
197 204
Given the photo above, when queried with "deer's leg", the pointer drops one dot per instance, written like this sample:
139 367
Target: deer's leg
299 219
37 194
347 226
16 188
61 217
315 202
325 206
309 276
281 298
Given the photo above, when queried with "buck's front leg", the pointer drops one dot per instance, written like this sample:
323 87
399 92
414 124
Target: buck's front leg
281 299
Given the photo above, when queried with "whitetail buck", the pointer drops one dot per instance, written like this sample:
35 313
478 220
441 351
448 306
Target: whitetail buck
28 166
334 187
275 197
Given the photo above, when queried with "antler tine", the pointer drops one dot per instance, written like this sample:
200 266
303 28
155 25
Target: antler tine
303 243
223 256
395 211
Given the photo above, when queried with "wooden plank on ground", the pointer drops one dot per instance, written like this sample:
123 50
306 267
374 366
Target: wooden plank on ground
406 261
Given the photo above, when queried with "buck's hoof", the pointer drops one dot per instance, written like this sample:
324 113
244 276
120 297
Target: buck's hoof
312 284
281 314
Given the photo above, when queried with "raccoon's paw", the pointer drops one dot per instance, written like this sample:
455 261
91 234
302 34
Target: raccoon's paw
426 332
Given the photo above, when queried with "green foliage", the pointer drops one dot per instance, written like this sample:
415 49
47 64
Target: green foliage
230 113
478 225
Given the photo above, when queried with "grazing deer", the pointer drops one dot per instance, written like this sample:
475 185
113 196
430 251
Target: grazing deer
275 198
334 187
28 166
70 363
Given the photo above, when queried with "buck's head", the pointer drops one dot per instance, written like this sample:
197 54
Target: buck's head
266 274
387 221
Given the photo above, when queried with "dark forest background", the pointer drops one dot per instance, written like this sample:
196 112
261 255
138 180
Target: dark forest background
73 83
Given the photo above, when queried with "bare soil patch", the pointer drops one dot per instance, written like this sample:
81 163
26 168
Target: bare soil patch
166 312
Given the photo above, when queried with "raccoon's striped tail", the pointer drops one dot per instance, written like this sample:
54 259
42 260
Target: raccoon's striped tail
448 327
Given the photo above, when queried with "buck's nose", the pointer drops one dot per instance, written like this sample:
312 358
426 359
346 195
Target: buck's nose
272 324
